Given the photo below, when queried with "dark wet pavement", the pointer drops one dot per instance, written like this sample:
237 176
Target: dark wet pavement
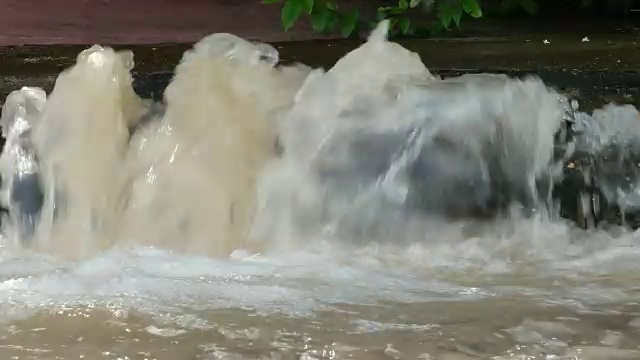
598 68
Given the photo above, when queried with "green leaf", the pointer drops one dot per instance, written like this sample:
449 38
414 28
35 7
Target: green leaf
332 6
445 21
392 26
349 22
435 28
398 11
332 19
457 15
445 14
393 10
290 13
309 6
472 7
414 3
320 19
405 25
270 1
403 4
505 6
529 6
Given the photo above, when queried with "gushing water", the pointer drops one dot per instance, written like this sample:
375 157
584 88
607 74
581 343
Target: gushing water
20 168
193 171
369 210
81 142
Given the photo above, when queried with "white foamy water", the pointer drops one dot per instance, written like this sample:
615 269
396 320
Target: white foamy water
387 228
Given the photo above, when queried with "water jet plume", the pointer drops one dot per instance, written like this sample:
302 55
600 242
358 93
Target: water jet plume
82 138
21 193
193 172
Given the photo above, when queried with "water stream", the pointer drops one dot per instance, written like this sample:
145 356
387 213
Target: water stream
366 211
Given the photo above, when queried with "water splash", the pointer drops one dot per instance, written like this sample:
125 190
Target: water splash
374 163
81 139
19 166
372 151
611 135
377 195
193 171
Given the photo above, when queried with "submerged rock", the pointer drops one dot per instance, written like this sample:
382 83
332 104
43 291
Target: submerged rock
601 179
464 147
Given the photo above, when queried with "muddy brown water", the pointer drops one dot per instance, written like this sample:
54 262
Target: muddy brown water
543 291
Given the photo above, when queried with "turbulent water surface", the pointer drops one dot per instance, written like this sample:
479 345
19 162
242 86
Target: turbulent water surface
370 211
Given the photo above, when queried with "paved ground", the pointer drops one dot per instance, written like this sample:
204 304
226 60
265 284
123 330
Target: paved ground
604 68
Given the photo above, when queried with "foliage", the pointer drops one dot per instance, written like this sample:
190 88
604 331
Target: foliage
325 15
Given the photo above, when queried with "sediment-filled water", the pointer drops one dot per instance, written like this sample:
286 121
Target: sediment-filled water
366 211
